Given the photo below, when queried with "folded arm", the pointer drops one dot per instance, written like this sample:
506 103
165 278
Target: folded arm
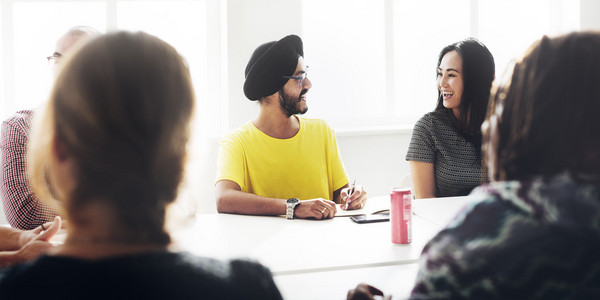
231 199
22 208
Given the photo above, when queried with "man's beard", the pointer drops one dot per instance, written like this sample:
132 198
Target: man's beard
289 104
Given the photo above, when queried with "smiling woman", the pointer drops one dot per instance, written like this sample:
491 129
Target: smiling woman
445 149
450 81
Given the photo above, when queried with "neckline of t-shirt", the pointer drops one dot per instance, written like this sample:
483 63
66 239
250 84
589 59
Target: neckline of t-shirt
300 131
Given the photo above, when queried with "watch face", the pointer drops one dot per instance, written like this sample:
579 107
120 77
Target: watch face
292 200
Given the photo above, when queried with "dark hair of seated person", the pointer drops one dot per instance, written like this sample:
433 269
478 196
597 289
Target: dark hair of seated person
547 112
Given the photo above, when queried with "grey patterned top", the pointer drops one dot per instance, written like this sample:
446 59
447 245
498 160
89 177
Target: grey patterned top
456 159
517 240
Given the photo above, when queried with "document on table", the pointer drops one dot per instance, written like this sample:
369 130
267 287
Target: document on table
372 207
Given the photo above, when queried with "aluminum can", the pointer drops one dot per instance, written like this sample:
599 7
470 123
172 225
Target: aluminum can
401 215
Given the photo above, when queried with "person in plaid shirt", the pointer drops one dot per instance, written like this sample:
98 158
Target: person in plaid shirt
22 208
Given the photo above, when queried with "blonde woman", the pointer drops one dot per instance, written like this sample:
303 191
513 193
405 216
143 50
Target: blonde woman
112 143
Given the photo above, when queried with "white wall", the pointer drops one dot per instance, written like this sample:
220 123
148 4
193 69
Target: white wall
589 14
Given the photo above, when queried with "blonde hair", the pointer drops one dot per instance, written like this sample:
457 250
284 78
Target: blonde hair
121 107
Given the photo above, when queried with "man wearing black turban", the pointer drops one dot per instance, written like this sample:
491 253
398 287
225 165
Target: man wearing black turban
280 163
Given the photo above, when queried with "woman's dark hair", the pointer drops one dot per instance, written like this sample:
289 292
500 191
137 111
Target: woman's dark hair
546 116
478 71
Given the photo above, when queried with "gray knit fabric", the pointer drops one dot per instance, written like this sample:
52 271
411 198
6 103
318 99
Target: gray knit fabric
457 165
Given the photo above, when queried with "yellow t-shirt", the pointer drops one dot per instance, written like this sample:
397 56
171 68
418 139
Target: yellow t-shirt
305 166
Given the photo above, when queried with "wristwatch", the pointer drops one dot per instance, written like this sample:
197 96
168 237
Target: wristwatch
291 204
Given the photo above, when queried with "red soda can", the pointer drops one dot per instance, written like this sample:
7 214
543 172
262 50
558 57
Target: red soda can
401 215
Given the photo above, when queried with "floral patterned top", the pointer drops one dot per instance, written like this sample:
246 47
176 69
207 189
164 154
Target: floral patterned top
519 240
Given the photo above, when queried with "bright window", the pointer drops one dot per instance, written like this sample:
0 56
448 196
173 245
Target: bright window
183 24
31 29
344 45
373 62
36 27
421 29
509 27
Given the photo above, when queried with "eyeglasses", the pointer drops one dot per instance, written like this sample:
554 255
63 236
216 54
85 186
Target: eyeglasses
299 78
53 59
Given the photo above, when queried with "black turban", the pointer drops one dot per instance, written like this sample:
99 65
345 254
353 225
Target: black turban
269 62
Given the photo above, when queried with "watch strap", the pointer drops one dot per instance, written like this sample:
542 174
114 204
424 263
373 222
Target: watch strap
290 205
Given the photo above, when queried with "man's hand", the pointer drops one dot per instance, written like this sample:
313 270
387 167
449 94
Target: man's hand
357 200
36 242
315 208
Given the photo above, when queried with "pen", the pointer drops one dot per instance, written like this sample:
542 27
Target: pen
350 193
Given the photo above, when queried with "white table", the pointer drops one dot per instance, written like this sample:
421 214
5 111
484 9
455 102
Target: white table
396 280
439 211
331 256
301 246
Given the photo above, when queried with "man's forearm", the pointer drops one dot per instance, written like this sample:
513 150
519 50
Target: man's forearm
239 202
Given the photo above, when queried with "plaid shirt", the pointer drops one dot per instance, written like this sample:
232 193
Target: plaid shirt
22 208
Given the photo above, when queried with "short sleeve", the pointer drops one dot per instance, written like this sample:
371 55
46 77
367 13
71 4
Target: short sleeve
231 162
422 146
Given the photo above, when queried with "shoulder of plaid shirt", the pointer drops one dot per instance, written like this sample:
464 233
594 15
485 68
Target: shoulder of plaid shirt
22 208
